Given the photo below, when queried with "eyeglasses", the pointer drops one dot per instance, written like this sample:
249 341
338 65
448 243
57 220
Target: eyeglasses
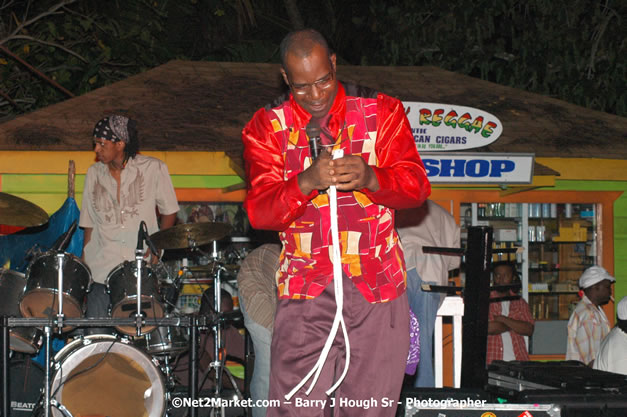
322 84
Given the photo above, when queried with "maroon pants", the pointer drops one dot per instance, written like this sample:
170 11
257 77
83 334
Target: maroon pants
379 344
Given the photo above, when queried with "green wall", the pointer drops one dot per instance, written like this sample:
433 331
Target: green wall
620 225
50 191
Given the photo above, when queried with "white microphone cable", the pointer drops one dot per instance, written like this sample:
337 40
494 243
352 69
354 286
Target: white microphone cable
339 301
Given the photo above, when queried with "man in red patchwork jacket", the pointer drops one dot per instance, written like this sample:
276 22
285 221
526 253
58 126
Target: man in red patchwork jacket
380 172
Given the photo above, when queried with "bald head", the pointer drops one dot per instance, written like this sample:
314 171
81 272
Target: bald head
301 43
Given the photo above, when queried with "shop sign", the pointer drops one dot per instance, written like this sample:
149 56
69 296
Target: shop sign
448 127
479 168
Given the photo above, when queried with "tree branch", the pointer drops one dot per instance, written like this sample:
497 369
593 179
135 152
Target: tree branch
54 44
6 4
10 100
294 14
36 71
597 35
26 23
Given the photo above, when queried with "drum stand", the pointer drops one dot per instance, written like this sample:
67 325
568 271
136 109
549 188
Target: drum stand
48 324
7 322
48 332
219 359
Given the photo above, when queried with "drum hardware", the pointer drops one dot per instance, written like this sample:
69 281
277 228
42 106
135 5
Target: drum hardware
139 259
192 236
82 346
15 211
218 365
163 342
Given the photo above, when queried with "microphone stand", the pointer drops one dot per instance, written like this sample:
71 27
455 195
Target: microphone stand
139 259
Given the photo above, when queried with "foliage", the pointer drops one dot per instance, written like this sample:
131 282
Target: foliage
570 49
573 50
86 44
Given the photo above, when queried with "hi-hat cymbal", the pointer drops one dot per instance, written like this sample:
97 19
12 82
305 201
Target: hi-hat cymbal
190 234
15 211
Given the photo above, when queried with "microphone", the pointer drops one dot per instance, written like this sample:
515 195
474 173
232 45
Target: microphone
150 244
64 240
313 132
140 236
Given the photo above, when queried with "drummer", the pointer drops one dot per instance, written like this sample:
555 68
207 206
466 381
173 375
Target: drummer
121 189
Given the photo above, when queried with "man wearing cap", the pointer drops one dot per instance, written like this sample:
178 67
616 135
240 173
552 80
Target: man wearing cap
121 189
612 356
588 324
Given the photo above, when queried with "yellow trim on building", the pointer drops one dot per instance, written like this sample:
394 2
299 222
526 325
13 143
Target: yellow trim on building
56 162
587 169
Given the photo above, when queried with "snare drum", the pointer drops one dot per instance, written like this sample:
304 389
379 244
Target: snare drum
102 375
23 339
40 297
164 341
122 287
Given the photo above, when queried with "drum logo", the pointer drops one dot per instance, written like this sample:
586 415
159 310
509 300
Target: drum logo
20 406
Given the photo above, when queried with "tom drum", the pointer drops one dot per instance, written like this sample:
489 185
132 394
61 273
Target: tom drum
23 339
122 287
40 297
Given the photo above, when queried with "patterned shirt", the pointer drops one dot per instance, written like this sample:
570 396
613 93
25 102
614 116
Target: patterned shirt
276 150
587 327
145 184
518 310
256 284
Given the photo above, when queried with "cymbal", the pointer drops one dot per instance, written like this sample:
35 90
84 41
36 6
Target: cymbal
15 211
190 234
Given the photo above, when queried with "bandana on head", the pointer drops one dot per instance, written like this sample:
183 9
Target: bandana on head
113 128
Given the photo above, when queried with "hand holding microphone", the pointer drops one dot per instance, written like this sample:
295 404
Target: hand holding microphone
315 141
316 176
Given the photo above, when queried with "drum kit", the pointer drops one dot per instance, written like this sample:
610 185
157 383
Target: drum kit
124 374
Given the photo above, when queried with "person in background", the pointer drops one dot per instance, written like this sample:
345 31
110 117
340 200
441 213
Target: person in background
588 324
612 356
258 298
121 190
508 320
427 225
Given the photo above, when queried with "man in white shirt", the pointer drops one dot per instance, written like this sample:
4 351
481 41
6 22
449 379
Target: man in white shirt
612 356
121 190
427 225
588 324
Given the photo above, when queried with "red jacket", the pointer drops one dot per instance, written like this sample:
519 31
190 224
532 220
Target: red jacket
276 150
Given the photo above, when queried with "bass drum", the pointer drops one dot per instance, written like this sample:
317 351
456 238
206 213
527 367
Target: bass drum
23 339
102 375
26 381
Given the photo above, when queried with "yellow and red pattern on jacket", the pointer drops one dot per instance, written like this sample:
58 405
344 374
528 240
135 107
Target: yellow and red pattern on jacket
277 150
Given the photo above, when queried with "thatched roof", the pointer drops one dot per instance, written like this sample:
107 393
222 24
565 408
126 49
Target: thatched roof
187 106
